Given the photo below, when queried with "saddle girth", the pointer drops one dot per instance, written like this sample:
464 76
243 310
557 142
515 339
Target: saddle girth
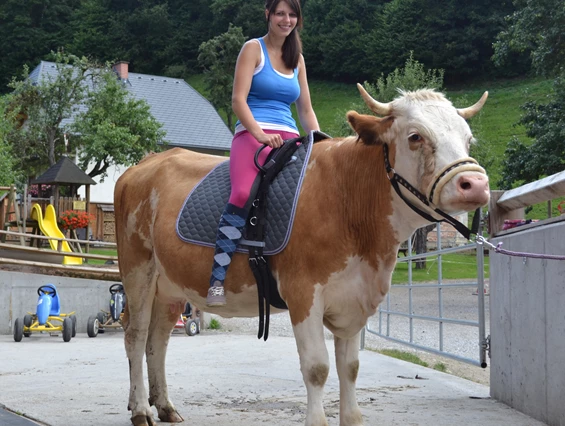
267 291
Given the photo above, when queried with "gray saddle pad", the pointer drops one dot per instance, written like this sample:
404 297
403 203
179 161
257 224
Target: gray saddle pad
198 219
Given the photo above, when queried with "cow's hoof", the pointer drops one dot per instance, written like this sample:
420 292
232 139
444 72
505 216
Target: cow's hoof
143 420
170 416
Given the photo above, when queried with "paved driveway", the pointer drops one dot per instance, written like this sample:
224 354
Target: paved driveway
224 379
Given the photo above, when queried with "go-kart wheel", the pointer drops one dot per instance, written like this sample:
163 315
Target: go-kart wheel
74 320
191 328
67 329
18 329
28 320
92 326
102 319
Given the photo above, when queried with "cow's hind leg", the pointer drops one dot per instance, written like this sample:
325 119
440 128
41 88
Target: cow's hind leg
163 320
136 326
347 363
314 364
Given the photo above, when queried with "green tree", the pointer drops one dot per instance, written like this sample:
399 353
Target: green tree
114 128
95 29
85 101
537 28
218 57
248 15
454 35
337 38
8 120
29 30
147 32
46 103
192 23
545 155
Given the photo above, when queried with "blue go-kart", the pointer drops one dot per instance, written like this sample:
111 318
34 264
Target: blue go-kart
48 317
111 319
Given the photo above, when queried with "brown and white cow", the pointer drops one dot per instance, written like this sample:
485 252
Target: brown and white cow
338 264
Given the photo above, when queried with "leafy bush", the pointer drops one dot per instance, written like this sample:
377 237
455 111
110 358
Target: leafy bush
412 77
214 324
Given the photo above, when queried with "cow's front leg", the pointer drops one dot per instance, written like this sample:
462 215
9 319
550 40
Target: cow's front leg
163 320
347 363
314 364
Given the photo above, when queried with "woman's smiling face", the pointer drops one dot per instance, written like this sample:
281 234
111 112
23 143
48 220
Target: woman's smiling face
283 20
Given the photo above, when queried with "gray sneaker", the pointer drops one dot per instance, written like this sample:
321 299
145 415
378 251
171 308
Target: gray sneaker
216 295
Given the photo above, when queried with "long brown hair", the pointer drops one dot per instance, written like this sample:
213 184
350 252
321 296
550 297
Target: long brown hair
292 47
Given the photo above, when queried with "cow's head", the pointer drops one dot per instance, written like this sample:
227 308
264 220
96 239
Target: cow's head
428 138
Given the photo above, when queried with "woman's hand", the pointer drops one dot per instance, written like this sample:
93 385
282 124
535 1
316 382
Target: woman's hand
272 140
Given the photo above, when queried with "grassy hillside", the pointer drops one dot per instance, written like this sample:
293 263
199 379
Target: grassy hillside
494 126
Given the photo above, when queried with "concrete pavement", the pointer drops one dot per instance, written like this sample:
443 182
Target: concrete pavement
224 379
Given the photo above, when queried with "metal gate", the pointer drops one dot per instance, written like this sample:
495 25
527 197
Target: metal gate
400 319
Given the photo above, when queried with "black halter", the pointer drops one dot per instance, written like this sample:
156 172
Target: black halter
395 179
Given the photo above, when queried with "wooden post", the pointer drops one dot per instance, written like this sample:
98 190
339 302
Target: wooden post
87 246
12 199
74 236
56 200
24 205
497 214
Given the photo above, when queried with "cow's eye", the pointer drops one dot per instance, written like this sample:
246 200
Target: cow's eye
470 142
415 137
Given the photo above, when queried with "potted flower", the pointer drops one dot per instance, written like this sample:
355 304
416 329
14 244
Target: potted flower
75 219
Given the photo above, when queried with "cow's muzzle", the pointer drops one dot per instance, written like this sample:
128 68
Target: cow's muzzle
448 172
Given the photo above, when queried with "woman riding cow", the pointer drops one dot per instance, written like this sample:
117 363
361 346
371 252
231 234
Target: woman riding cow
270 75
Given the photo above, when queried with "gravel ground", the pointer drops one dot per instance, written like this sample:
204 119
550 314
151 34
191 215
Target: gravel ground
458 303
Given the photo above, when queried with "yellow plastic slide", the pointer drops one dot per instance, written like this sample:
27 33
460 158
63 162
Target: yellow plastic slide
49 227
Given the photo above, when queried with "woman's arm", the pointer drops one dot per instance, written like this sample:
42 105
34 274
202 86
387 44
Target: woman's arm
306 113
248 59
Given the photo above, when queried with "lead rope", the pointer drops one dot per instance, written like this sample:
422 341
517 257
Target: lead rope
497 248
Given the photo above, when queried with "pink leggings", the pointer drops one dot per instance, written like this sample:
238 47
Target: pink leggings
242 167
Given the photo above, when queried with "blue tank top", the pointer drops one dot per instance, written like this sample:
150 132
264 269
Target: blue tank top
270 96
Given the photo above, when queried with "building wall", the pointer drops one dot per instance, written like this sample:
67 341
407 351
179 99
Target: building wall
527 304
103 192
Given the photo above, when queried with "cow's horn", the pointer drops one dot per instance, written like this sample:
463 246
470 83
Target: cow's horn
375 106
472 110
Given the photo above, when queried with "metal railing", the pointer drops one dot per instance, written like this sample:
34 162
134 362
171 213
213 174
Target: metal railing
385 313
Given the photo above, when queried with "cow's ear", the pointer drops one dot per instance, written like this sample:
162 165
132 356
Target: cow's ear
368 127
